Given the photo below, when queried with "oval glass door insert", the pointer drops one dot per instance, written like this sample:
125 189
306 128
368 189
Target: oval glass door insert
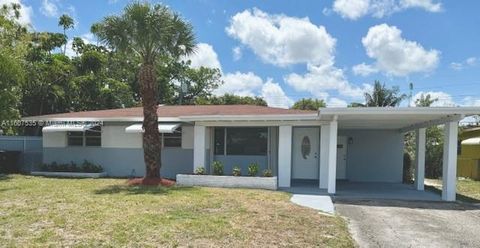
306 147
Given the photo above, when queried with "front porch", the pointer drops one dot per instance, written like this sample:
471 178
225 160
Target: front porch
366 191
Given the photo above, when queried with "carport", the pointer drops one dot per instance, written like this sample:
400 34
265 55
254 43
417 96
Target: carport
373 138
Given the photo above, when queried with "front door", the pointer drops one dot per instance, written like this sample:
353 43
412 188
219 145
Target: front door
305 150
342 157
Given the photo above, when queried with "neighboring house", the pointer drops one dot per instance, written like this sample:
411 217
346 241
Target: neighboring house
356 144
469 154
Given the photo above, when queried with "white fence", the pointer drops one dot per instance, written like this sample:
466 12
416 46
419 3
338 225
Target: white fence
31 149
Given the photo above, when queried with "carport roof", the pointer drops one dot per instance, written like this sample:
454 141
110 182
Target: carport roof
401 118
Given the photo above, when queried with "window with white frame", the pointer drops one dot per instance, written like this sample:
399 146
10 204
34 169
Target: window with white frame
91 137
172 139
241 141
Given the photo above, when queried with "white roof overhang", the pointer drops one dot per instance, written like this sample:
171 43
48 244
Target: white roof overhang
402 119
471 141
68 127
162 128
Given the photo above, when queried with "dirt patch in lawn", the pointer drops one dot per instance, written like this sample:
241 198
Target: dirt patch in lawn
150 182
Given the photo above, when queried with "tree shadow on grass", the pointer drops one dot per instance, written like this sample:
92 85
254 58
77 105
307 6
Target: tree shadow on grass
137 190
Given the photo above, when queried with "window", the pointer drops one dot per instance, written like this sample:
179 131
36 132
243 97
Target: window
75 138
173 139
241 141
219 141
92 137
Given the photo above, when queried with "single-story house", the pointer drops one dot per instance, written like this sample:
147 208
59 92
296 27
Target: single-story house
355 144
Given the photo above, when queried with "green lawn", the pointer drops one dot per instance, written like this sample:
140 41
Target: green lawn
36 211
467 190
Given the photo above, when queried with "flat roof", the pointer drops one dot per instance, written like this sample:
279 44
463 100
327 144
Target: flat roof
177 113
394 117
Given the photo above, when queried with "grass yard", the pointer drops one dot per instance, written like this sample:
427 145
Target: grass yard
37 211
467 190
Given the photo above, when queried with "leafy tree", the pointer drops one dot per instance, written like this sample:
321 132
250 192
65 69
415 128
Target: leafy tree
13 42
381 97
384 97
149 32
230 99
433 143
309 104
425 100
66 22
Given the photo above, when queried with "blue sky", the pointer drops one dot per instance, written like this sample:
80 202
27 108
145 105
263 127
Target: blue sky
334 50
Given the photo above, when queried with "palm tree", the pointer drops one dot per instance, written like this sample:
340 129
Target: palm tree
384 97
149 32
66 22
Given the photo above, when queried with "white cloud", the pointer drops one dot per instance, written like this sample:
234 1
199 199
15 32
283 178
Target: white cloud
49 8
237 53
428 5
204 56
336 103
470 101
469 62
355 9
443 99
351 9
395 55
456 66
26 12
364 69
321 79
242 84
275 96
282 40
87 38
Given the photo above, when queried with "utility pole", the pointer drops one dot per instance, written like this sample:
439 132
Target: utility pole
411 94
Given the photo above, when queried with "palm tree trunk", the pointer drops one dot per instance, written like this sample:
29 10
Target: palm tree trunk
151 137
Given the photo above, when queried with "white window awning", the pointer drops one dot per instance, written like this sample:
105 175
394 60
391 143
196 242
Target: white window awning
67 128
162 128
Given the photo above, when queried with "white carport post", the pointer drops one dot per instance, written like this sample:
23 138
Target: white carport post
284 156
332 156
199 147
420 137
449 174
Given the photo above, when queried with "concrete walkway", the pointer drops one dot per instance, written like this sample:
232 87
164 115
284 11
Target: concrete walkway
318 202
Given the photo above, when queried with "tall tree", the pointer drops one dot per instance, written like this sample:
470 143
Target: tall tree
425 100
383 96
309 104
13 43
148 32
66 22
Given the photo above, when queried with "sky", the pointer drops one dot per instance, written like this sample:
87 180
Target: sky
332 50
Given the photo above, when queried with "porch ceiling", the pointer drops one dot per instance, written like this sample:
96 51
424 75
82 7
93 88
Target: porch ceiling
403 119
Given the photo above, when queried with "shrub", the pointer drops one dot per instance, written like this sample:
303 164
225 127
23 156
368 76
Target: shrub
200 171
237 171
267 173
253 169
87 167
217 168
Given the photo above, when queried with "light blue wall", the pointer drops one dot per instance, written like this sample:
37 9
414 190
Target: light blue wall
242 161
120 162
374 155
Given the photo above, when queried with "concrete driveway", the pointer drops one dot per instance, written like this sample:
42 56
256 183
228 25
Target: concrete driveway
394 223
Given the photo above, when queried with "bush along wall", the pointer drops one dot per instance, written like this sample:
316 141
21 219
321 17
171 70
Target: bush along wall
85 167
